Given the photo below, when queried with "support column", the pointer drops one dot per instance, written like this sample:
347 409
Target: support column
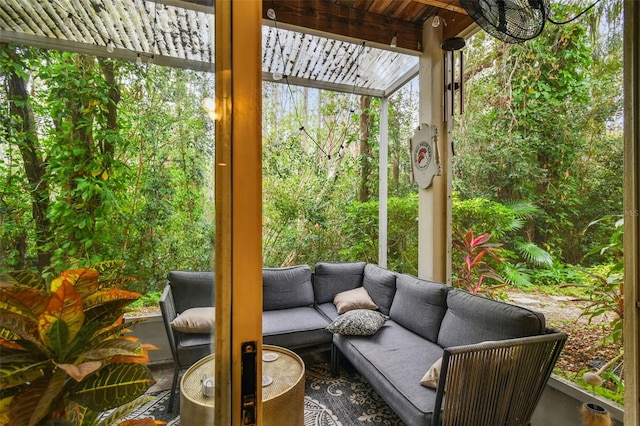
383 190
434 203
632 212
238 48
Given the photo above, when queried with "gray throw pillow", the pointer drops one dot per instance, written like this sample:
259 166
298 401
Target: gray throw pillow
358 322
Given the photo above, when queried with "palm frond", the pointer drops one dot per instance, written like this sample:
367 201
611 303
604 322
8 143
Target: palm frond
523 209
516 275
534 254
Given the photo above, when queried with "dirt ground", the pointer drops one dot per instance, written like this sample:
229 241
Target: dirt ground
583 348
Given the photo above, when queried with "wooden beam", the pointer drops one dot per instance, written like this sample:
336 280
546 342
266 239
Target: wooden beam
325 17
444 5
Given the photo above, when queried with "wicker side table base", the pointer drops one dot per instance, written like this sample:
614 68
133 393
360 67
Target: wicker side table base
282 398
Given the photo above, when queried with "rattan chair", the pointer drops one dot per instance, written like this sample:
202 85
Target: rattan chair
186 289
495 383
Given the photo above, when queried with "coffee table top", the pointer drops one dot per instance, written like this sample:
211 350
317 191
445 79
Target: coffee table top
283 366
191 382
286 370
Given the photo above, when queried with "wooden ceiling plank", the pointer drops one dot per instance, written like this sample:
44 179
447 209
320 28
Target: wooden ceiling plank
327 17
442 4
456 25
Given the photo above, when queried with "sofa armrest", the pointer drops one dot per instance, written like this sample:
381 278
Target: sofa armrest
503 380
169 313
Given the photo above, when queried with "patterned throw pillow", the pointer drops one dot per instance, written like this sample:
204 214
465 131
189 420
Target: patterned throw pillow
358 322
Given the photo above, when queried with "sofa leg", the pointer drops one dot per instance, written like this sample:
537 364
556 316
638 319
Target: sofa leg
335 359
174 385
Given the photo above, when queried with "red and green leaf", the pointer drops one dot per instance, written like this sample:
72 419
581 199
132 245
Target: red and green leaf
480 240
113 385
14 327
25 301
35 403
110 348
62 319
4 410
85 280
141 359
80 371
108 296
24 278
25 370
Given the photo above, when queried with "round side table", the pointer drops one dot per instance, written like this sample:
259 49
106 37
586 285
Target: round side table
195 407
283 399
282 391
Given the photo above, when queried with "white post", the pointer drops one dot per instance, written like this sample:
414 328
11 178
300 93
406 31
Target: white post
383 182
434 203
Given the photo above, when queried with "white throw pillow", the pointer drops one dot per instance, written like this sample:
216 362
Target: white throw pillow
196 320
358 298
430 379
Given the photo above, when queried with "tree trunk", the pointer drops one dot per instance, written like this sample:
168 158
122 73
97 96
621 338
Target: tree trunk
17 92
365 149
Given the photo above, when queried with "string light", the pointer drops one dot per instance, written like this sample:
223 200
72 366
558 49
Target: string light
436 21
394 41
272 15
209 105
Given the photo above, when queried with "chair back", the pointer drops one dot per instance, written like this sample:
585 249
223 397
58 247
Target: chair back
495 383
192 289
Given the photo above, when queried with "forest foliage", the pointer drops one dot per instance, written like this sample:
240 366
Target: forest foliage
103 159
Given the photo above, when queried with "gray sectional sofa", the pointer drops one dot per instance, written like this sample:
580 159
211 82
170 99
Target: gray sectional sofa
394 337
422 319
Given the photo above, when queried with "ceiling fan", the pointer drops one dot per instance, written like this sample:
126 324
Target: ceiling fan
512 21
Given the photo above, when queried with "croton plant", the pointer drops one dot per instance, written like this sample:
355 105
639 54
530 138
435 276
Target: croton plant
65 358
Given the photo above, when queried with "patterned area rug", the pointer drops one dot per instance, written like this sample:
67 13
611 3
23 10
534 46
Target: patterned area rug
341 401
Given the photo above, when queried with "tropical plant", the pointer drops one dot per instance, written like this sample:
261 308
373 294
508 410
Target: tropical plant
502 222
65 358
472 272
605 286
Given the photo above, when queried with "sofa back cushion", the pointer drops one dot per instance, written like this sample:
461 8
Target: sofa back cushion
192 289
419 305
473 319
380 284
330 279
284 288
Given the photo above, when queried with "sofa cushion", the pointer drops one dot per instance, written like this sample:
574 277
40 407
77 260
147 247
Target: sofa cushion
393 360
295 327
419 305
330 279
380 283
473 319
357 298
328 310
358 322
196 320
286 287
